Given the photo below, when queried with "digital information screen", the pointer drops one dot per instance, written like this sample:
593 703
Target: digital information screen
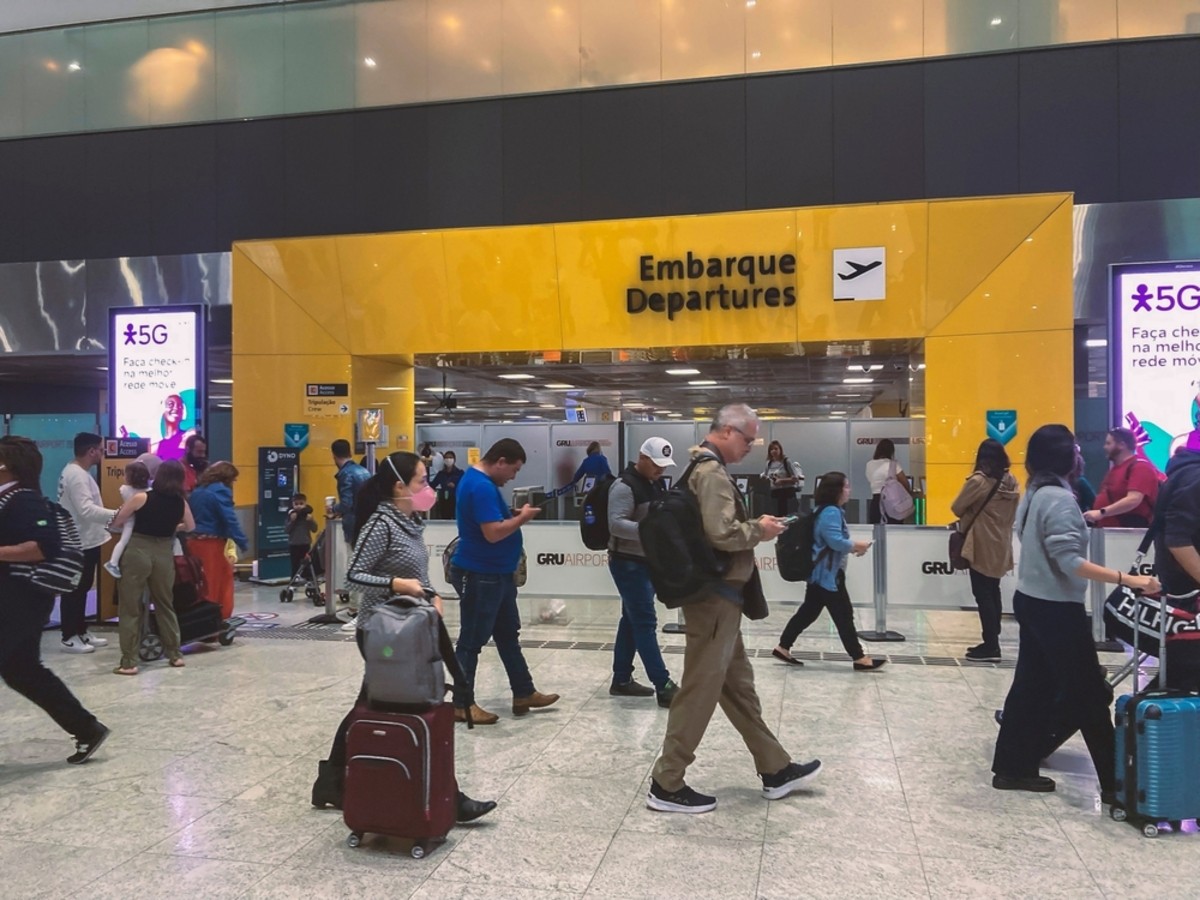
1154 352
156 375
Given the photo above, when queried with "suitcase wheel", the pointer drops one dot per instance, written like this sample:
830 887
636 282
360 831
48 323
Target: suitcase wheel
354 839
285 596
1118 814
1150 830
418 851
225 638
151 648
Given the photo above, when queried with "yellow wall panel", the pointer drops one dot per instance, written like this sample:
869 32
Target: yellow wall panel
601 275
267 320
394 293
306 269
372 381
901 228
968 239
1030 289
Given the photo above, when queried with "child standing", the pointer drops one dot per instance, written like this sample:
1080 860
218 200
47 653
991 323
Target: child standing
137 481
300 527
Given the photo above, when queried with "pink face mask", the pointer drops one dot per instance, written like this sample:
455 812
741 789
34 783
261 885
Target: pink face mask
423 500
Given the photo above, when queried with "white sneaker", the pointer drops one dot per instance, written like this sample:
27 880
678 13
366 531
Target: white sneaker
77 645
94 640
350 627
114 571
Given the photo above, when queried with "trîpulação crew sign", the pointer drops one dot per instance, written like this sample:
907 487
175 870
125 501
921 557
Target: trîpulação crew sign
697 283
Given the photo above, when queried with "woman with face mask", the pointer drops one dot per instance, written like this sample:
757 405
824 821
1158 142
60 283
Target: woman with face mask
445 483
389 558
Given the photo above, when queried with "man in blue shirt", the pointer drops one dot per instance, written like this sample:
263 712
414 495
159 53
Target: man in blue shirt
350 477
483 571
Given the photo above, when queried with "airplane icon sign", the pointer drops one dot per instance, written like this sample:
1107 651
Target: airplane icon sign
859 269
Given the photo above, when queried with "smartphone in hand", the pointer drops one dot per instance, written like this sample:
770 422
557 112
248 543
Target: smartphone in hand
788 521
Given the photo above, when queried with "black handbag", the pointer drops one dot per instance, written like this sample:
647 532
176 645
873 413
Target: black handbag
958 537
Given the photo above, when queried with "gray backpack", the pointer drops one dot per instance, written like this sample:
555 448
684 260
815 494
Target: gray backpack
407 652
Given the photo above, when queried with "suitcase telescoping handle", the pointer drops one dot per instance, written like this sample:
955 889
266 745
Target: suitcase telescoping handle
1162 638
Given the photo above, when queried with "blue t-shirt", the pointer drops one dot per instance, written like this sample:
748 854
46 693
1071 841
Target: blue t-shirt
479 502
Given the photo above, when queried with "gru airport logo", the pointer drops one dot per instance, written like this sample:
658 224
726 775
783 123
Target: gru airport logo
763 276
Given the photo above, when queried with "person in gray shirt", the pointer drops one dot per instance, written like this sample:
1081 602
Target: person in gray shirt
1057 664
628 501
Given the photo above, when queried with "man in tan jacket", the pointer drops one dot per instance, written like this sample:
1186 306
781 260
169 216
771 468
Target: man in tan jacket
715 666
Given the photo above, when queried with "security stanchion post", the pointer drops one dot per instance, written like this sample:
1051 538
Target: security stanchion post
328 558
879 556
1098 592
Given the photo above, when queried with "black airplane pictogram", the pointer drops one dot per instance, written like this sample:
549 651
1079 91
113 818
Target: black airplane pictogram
859 269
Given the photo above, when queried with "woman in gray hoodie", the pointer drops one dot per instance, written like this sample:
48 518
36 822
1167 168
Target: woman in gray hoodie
1057 657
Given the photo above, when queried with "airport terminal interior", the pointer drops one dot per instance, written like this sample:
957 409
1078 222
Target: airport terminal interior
888 226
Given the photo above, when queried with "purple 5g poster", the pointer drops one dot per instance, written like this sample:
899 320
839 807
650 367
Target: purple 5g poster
1154 350
156 375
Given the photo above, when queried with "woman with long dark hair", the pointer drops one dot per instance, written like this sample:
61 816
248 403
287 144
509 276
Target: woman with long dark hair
149 561
1057 666
827 585
28 536
389 558
879 471
785 477
216 523
986 507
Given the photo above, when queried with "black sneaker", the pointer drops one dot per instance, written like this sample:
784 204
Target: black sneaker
984 654
1036 784
85 748
630 688
684 800
667 693
791 777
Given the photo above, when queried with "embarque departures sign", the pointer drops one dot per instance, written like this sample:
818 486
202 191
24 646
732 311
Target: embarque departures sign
696 283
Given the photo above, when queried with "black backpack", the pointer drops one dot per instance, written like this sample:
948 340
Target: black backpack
794 548
593 524
682 564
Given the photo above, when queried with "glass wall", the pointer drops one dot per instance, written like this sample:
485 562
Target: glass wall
291 58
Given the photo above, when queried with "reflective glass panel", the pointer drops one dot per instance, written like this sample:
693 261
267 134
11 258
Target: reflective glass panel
12 84
541 45
249 63
702 39
1067 21
970 26
391 61
179 74
54 81
876 30
114 98
465 48
619 42
1149 18
319 54
788 34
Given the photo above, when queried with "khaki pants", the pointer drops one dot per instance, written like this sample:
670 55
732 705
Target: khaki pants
148 563
715 670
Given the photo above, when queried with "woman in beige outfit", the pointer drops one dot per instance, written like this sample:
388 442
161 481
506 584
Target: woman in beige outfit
987 506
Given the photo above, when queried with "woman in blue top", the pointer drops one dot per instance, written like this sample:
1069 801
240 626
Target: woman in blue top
827 586
594 464
216 522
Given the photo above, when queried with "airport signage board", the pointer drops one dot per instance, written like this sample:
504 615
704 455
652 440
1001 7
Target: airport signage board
1154 353
156 375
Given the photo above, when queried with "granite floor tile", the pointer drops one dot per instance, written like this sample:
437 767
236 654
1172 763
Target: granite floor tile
987 836
664 865
452 890
52 870
790 871
556 801
949 879
151 875
247 831
521 857
288 884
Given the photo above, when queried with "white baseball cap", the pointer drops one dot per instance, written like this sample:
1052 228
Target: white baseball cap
659 451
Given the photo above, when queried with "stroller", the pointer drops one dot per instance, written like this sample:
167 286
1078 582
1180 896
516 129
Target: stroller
199 619
309 575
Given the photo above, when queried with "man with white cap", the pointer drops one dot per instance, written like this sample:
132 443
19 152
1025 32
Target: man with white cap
629 499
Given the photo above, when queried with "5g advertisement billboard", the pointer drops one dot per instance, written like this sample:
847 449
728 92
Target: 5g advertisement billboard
1154 348
156 375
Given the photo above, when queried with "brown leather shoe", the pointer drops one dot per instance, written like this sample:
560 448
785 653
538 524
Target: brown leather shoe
536 700
479 716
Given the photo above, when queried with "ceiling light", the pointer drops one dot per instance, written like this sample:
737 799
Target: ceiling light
997 21
369 62
559 386
517 376
518 401
838 412
441 390
865 367
221 380
224 406
101 368
703 382
420 403
73 67
858 381
547 406
535 417
393 388
674 415
1096 342
683 371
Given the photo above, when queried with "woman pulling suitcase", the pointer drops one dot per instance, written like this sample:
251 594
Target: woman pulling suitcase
389 559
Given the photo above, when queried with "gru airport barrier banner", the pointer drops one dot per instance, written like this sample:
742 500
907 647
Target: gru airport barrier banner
156 375
1154 352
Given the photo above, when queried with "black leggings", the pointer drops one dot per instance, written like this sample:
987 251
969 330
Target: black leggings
817 598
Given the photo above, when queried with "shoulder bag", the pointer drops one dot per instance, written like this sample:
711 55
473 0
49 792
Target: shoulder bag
958 535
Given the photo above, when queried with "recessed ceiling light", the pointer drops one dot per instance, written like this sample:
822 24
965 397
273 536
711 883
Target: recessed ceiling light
683 371
519 401
547 406
440 390
838 412
864 367
393 388
517 376
420 403
369 62
559 386
858 381
674 415
1096 342
702 382
221 380
224 406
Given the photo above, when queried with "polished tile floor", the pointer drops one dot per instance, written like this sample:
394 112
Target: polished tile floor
202 790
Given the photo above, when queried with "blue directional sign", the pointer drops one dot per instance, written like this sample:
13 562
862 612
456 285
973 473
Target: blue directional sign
295 436
1002 424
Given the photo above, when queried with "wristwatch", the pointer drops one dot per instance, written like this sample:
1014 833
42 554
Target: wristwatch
1104 511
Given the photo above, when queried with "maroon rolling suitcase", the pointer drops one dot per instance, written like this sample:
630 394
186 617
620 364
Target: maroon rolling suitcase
400 776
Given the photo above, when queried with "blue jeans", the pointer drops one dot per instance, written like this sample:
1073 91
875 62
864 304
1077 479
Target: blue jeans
638 628
488 610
